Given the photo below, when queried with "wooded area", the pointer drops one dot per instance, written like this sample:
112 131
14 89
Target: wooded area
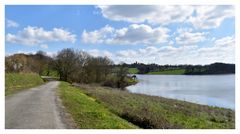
72 66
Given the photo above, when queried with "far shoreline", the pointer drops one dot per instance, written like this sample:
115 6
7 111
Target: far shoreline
185 74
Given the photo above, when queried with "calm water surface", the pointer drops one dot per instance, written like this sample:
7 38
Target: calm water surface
213 90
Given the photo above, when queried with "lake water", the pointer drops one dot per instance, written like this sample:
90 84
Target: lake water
213 90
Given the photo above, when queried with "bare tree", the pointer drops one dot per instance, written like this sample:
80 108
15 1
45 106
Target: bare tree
98 69
79 74
65 63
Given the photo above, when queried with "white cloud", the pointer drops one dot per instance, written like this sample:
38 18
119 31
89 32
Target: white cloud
127 53
21 52
97 53
51 54
202 17
211 16
188 37
97 36
222 50
159 55
132 34
36 36
45 46
225 41
11 23
154 14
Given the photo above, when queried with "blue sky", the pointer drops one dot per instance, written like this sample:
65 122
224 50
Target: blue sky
148 34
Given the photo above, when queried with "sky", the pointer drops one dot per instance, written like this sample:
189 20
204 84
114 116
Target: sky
161 34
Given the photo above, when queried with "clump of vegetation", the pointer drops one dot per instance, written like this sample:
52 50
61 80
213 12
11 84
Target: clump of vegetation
115 82
87 112
15 82
79 66
120 78
157 112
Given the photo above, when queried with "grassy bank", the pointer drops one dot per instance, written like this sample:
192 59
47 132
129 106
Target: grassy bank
15 82
157 112
87 112
169 72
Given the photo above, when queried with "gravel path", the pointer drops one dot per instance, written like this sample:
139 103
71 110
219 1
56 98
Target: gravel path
35 108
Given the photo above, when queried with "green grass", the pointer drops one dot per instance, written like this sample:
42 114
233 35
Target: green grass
157 112
87 112
15 82
133 70
170 72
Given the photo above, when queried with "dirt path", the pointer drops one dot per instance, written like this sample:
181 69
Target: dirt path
34 108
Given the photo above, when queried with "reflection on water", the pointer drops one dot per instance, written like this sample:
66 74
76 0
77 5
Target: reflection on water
214 90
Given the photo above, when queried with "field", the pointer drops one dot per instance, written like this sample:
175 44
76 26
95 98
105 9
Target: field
169 72
133 70
87 112
15 82
157 112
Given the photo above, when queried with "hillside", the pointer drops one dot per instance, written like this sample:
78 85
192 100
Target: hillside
27 63
15 82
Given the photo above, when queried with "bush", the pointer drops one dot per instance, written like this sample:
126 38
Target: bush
114 82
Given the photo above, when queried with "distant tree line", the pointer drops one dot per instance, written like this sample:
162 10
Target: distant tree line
215 68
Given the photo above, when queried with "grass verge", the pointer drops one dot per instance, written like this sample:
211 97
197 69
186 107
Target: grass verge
157 112
15 82
87 112
170 72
